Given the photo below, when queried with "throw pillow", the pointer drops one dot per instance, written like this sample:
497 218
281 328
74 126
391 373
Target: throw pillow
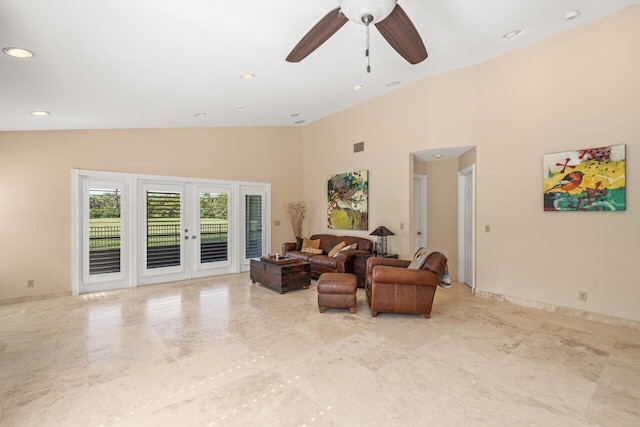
419 258
336 248
346 248
312 251
308 243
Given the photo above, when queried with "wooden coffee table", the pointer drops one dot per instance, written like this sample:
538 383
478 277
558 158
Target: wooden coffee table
283 275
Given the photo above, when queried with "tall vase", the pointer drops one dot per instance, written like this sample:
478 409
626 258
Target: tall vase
298 243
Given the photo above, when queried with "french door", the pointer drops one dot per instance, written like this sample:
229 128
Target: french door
163 224
253 213
132 230
213 224
104 222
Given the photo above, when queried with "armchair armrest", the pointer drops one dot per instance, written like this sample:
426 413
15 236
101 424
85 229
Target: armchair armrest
403 276
374 261
345 260
288 246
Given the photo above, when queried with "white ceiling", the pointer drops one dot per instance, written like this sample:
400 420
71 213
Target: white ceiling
155 63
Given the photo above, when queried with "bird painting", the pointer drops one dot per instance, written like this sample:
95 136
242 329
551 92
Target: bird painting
569 182
591 179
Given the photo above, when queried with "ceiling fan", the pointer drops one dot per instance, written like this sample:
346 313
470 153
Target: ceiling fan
389 18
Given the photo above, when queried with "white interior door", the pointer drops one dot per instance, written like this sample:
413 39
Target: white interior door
164 232
419 211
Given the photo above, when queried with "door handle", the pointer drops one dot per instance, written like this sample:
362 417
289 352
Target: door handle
193 237
186 237
419 233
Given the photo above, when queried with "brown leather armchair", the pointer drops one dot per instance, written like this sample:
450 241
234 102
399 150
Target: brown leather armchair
392 288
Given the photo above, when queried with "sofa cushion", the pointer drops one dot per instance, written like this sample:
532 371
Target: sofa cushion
323 261
328 241
336 249
346 248
313 251
310 243
299 255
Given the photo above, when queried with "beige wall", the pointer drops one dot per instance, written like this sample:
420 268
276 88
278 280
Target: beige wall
35 183
579 89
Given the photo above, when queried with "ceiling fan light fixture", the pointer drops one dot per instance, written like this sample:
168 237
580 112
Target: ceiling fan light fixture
247 76
356 10
357 87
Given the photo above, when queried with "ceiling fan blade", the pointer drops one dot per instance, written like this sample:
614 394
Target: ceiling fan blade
402 35
319 34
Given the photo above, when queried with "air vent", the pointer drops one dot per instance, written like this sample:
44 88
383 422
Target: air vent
358 147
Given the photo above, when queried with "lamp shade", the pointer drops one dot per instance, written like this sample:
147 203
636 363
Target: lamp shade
382 231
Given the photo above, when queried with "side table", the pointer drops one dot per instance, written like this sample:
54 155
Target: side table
360 265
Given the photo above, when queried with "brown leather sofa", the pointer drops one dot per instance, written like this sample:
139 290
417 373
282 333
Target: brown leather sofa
343 263
392 288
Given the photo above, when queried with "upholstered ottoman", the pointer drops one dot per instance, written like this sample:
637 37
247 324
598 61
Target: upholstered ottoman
337 290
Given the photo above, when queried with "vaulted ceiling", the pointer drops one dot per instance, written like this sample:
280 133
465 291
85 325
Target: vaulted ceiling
159 63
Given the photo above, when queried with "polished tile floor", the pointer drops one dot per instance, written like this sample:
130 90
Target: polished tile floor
224 352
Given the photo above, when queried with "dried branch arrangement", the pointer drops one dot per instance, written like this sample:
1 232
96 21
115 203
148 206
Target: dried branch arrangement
295 212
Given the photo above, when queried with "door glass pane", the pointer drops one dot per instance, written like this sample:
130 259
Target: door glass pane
104 230
214 213
253 226
163 229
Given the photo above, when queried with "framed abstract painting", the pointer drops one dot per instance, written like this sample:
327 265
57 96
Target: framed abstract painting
592 179
347 197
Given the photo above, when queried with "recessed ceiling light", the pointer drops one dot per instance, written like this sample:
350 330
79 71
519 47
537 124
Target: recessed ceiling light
200 114
299 122
512 34
572 15
240 106
437 156
397 82
358 87
17 52
247 76
40 113
295 114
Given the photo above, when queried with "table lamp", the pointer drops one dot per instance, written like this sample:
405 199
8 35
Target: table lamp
382 232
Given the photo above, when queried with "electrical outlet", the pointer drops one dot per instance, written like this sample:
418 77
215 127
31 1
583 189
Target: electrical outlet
582 295
487 228
276 222
402 226
31 283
